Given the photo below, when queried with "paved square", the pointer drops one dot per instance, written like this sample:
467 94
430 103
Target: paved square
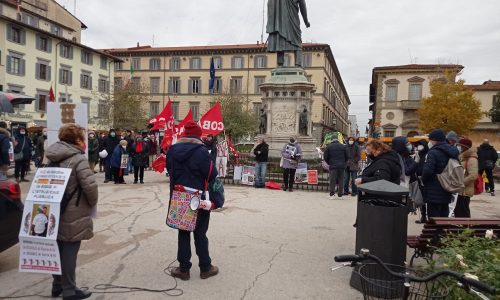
268 245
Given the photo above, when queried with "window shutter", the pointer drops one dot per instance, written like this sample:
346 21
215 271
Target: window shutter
170 86
9 64
61 50
9 32
151 64
191 63
60 76
232 63
70 78
190 86
91 61
22 67
49 45
90 82
81 81
37 102
23 37
70 52
199 86
37 41
265 61
37 71
255 62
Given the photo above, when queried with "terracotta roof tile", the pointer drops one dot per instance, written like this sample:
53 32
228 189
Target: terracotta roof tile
489 85
418 67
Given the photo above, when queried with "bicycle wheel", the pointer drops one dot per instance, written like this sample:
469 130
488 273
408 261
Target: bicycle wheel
377 284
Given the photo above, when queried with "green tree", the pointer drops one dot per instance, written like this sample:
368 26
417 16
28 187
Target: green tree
494 112
452 106
239 121
127 107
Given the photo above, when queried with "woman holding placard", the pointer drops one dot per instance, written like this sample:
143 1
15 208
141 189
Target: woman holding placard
75 222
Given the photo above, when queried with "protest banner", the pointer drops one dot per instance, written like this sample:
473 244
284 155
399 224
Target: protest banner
38 250
301 173
221 159
312 176
248 175
211 122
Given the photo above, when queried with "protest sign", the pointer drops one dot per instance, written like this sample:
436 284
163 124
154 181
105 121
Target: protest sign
123 161
238 171
38 251
312 176
248 175
301 173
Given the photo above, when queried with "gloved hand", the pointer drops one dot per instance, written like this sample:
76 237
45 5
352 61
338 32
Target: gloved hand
205 204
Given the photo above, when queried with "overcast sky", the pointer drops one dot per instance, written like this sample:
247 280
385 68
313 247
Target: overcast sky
363 34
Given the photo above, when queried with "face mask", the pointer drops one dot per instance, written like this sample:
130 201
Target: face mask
22 132
351 142
112 134
91 136
139 140
420 147
459 149
124 147
430 145
409 147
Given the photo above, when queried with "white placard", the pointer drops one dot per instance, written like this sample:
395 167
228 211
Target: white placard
38 250
301 173
248 175
238 170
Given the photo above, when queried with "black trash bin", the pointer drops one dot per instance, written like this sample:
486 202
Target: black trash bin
382 223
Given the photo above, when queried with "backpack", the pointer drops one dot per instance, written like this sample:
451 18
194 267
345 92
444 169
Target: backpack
67 196
452 177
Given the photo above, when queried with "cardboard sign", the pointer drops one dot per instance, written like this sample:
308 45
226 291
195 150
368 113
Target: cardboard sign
38 250
312 176
248 175
301 173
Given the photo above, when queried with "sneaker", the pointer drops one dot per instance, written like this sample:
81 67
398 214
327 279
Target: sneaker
177 273
332 197
106 180
79 294
212 272
493 194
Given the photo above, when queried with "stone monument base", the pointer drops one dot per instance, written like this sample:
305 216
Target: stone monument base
307 144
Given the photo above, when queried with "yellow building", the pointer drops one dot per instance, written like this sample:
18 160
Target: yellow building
182 73
395 94
487 93
42 48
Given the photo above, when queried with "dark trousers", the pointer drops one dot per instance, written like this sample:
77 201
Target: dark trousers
336 180
200 243
21 166
108 169
288 178
490 186
67 281
438 210
139 173
350 176
118 175
462 209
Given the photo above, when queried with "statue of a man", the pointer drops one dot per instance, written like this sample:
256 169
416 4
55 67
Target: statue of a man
263 121
303 122
283 27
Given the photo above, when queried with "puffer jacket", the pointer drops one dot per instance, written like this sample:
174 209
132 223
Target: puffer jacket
336 155
75 223
470 163
383 167
435 162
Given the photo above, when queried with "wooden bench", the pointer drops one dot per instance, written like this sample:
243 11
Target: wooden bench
425 243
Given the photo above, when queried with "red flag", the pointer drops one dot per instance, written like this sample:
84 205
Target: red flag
179 129
52 97
159 164
211 122
165 119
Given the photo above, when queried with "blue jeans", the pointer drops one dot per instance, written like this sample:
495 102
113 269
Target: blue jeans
350 176
260 174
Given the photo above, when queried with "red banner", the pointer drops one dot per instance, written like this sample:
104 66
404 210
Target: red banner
159 164
164 120
211 122
179 129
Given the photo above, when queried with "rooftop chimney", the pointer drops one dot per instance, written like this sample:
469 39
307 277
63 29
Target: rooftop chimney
137 44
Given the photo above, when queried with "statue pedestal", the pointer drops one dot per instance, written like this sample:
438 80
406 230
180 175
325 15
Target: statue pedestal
285 96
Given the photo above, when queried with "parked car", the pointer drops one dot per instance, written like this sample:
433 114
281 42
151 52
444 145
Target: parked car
11 213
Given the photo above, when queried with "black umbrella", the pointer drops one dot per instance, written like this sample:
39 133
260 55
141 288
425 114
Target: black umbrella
16 99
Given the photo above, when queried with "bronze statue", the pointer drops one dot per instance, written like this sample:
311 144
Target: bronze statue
263 121
303 122
283 26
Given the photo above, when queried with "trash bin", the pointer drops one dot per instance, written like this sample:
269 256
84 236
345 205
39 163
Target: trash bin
382 223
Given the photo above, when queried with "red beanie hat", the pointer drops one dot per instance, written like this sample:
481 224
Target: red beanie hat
465 142
192 129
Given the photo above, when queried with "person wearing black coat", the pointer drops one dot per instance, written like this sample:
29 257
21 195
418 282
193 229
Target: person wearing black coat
403 148
336 156
422 149
23 150
189 165
384 165
110 142
487 156
140 155
437 198
261 152
4 148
